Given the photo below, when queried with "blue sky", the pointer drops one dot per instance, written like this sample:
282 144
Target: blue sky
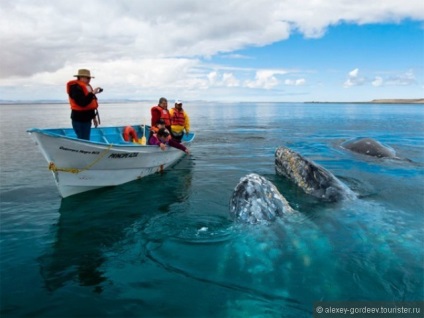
392 52
226 50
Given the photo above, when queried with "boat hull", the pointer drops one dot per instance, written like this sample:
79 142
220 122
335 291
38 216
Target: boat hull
79 166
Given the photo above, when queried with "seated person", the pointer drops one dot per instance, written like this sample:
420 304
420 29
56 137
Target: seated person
162 138
154 129
180 122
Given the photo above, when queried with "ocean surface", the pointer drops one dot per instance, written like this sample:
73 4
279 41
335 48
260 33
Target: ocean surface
165 246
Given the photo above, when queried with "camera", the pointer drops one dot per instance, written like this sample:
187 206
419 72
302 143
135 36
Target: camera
100 89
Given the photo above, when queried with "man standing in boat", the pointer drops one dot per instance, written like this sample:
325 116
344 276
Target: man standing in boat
83 101
180 121
161 112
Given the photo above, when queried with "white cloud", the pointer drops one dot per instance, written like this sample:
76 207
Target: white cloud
354 73
353 79
44 35
312 18
212 76
377 82
226 79
265 79
230 80
404 79
236 56
297 82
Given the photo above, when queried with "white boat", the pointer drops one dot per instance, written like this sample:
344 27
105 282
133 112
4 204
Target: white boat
104 160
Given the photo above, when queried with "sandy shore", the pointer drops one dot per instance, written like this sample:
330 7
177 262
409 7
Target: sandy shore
379 101
398 101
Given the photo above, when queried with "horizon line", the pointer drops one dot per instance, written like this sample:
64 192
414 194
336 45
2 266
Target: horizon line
111 100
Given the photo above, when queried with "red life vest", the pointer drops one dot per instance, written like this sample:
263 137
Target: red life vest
164 114
178 117
74 105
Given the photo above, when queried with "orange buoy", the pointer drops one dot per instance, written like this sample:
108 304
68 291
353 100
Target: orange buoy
129 134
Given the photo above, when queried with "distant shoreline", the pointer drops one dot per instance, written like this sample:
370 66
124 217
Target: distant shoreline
378 101
398 101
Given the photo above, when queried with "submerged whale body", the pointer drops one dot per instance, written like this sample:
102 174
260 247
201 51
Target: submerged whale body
256 200
369 147
310 177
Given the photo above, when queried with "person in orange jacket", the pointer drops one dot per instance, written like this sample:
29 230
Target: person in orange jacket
161 112
83 102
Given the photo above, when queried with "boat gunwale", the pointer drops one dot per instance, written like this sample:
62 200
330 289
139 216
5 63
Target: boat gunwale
49 132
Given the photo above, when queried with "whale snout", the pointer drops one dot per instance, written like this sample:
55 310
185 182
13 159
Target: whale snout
257 200
312 178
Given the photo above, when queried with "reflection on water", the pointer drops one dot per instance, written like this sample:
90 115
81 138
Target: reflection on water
92 223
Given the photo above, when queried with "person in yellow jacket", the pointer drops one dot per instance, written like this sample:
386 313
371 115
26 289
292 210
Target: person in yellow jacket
180 122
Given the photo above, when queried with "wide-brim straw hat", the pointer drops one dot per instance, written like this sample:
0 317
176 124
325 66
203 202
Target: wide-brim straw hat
84 73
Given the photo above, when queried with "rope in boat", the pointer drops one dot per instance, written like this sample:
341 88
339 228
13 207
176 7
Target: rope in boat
52 166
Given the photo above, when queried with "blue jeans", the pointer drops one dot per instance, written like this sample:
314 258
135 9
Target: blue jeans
82 129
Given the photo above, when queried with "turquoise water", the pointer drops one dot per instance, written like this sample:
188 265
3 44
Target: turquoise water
164 246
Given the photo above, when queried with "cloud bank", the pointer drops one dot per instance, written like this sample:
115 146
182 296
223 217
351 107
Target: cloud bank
403 79
146 44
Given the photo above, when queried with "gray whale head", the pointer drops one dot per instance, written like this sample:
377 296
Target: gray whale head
309 176
369 147
257 200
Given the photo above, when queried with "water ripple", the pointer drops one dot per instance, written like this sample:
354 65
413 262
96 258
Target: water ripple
189 228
